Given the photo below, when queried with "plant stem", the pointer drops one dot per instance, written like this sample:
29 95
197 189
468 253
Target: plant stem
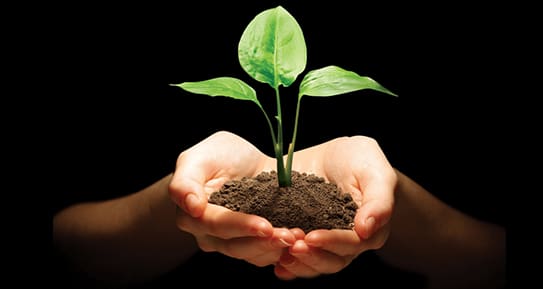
270 125
290 153
283 176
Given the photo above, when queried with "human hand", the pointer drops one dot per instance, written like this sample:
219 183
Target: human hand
203 169
358 166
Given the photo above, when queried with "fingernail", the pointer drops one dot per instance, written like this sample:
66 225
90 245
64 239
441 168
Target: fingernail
262 230
370 226
285 242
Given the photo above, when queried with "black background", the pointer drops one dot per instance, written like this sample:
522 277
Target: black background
113 124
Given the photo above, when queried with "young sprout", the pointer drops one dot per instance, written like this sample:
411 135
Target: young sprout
272 50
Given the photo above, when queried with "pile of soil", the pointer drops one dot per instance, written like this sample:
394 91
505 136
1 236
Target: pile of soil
310 203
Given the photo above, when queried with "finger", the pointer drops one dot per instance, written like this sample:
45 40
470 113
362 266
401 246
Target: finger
298 233
346 243
373 215
257 251
377 240
223 223
188 192
377 204
294 267
282 238
317 259
339 242
282 273
266 259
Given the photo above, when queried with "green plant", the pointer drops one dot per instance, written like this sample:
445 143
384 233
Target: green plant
272 50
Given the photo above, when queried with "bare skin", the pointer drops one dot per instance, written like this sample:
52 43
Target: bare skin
453 249
243 236
125 240
142 235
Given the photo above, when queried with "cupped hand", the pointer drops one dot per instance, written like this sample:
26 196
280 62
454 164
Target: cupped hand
358 166
203 169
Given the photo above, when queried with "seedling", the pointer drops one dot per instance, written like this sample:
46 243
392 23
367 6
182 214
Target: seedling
272 50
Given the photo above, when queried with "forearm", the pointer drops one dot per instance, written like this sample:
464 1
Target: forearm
449 247
127 239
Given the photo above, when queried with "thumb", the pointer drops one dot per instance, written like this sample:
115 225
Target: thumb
375 211
188 194
372 217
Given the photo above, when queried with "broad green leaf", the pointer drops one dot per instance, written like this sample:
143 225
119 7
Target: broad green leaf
222 86
272 48
333 80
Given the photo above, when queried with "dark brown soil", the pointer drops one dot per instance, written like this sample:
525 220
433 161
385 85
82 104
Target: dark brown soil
309 203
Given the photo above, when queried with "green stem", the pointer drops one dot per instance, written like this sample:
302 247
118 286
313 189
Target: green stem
293 142
283 176
278 151
270 125
279 119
